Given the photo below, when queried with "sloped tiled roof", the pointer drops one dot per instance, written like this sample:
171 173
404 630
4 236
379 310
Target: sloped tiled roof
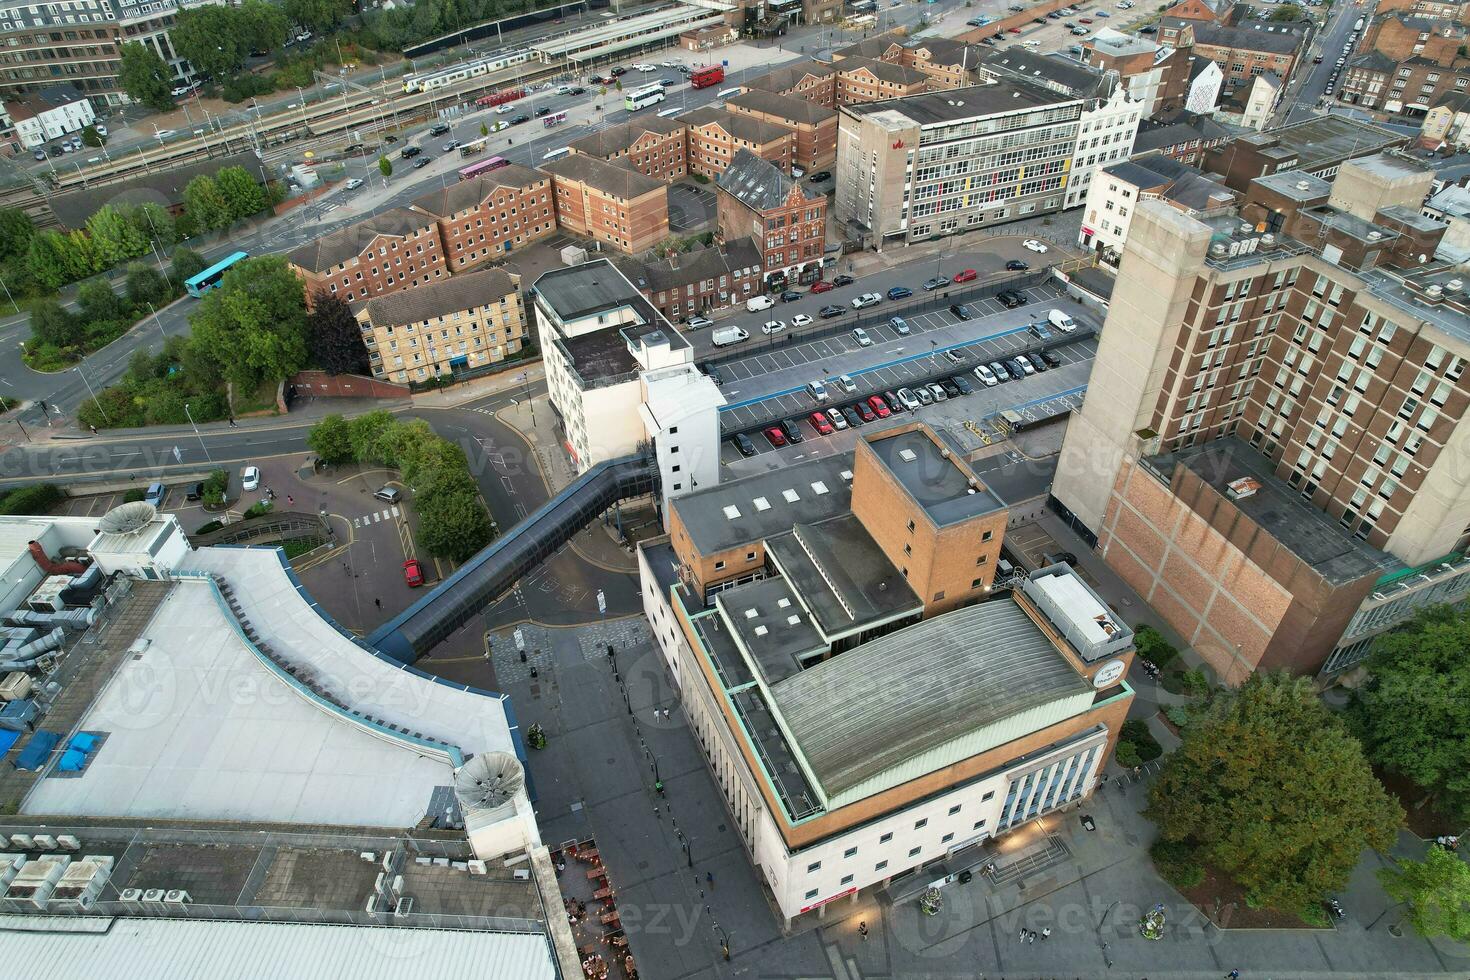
785 106
345 243
465 194
611 178
882 70
737 124
616 139
456 294
1244 39
1049 70
787 76
759 185
872 47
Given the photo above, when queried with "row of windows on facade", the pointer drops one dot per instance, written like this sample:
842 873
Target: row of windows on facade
515 226
479 222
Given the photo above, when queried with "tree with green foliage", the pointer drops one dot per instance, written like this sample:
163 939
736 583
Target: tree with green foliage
90 136
210 38
154 223
334 337
16 230
206 204
241 192
187 264
453 526
317 15
1270 788
145 77
1288 12
1413 714
254 324
115 236
47 259
145 285
484 130
98 302
1436 890
80 255
331 440
385 167
52 324
264 25
367 432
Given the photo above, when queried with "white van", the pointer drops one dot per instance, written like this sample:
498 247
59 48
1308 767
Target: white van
1061 321
757 303
725 336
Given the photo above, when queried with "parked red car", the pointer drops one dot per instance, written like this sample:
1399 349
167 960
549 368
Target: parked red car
965 276
865 411
880 407
413 573
821 423
775 437
822 286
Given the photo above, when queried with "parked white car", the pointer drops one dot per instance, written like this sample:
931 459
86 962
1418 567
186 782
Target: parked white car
250 478
644 68
1034 245
986 376
801 320
866 300
861 336
846 383
906 397
773 326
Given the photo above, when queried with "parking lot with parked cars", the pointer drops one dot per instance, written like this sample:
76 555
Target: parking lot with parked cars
817 384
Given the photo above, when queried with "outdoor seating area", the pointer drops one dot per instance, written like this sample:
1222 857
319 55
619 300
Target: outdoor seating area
592 913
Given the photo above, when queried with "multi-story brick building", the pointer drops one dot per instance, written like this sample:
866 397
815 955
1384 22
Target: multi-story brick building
700 281
1401 36
1183 136
814 125
860 80
609 202
656 146
1376 81
1206 11
1243 52
1269 451
1456 10
391 250
944 162
1118 189
458 324
814 81
818 612
786 220
715 136
1447 123
491 215
1138 61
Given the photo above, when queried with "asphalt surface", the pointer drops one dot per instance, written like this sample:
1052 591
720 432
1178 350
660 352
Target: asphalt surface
1311 81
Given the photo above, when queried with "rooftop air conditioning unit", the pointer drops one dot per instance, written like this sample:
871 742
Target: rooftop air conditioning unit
131 894
153 895
45 842
1268 239
68 843
1244 487
477 867
1454 285
402 908
1434 292
368 856
176 896
1373 236
1217 249
1303 185
521 874
23 841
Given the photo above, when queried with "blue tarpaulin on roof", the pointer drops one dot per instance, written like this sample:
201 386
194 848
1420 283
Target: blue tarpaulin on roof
33 757
7 739
73 760
83 743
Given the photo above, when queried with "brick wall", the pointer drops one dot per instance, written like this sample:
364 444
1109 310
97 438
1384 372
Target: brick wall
320 384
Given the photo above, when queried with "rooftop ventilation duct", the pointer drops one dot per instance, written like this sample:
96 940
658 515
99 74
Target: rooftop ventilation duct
488 781
128 518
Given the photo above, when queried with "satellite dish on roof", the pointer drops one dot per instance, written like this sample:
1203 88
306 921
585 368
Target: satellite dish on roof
488 781
128 517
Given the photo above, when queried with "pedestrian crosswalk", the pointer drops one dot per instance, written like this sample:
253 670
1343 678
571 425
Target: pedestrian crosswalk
376 517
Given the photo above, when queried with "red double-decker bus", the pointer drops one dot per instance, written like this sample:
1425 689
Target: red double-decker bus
706 76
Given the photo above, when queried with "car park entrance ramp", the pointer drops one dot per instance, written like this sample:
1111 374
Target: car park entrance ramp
492 572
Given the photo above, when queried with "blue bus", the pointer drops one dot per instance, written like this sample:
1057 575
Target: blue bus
210 278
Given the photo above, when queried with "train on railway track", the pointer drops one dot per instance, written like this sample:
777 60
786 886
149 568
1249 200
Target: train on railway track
474 68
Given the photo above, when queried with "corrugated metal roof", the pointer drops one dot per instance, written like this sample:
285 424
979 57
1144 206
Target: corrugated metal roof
177 949
927 696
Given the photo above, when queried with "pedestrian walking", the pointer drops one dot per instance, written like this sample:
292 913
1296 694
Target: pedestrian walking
1233 975
93 428
1045 932
1031 937
863 930
666 714
290 499
1022 935
378 603
709 877
232 423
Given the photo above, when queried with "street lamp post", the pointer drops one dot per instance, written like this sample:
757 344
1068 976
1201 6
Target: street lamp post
9 297
79 371
190 417
158 323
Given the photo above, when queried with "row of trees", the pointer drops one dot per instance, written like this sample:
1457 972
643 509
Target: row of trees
400 27
453 523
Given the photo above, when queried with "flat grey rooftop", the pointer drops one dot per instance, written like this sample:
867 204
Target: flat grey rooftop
1325 140
885 702
589 288
1315 538
953 105
1451 317
772 626
1352 225
1288 183
724 651
932 477
601 355
766 504
198 728
842 575
1410 218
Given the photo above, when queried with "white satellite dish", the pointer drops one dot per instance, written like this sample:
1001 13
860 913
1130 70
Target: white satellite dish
128 517
488 781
